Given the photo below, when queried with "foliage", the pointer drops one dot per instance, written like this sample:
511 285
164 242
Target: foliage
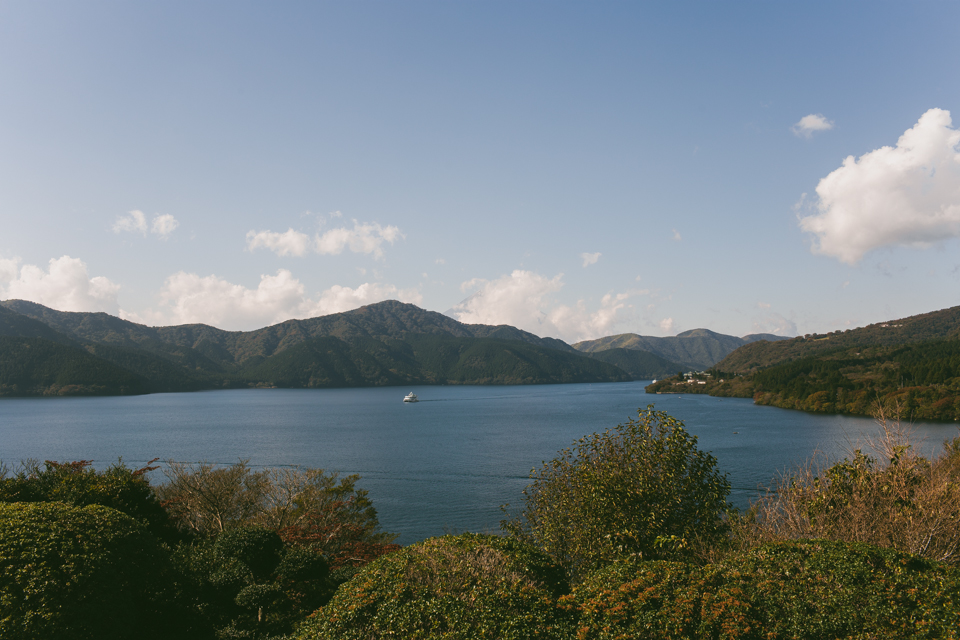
38 366
643 489
455 587
797 590
308 507
206 499
78 484
894 498
81 573
640 365
249 584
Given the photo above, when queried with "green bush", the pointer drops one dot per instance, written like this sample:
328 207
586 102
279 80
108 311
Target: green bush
643 489
797 590
78 573
453 587
248 584
77 484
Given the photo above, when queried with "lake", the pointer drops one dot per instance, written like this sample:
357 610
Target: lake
446 463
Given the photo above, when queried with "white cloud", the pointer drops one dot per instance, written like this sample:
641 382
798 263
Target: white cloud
776 324
763 305
590 258
524 299
676 236
288 243
164 225
367 237
666 325
136 221
363 238
337 299
188 298
810 124
133 221
904 195
65 286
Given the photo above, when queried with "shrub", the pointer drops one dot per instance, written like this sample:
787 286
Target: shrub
249 584
77 484
643 489
798 590
453 587
894 498
78 573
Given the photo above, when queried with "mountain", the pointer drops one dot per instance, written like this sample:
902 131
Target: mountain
388 343
911 366
936 325
640 365
697 349
41 367
216 348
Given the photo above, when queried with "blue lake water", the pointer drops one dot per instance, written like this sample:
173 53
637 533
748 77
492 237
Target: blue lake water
446 463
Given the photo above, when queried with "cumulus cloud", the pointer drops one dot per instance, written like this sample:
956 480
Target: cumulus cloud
133 221
188 298
65 285
676 236
367 237
288 243
666 325
904 195
136 221
363 238
590 258
810 124
524 299
164 225
776 324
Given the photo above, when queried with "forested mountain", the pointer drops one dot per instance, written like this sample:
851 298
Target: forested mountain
696 349
640 365
37 366
911 365
936 325
388 343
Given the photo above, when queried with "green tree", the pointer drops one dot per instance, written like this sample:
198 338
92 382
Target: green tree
642 490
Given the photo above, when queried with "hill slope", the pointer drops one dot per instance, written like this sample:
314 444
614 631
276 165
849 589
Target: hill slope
696 349
936 325
388 343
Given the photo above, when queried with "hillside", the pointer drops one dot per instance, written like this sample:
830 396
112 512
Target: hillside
697 349
936 325
389 343
639 365
911 365
41 367
216 348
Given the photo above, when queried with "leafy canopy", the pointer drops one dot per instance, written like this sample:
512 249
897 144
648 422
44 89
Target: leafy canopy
642 489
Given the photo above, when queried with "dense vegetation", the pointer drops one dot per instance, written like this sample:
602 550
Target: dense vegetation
695 349
625 535
911 364
385 344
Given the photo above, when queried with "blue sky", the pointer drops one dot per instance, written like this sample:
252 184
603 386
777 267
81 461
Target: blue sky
575 169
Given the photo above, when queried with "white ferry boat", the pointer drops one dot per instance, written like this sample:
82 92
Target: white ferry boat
411 397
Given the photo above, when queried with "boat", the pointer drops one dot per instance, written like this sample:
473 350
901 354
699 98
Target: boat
411 397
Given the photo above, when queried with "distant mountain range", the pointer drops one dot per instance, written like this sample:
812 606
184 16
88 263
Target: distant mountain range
697 349
49 352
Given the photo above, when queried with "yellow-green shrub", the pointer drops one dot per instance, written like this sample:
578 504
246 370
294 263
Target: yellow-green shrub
465 587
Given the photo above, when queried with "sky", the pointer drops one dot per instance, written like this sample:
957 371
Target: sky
573 169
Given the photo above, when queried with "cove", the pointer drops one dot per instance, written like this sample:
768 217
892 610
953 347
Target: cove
446 463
